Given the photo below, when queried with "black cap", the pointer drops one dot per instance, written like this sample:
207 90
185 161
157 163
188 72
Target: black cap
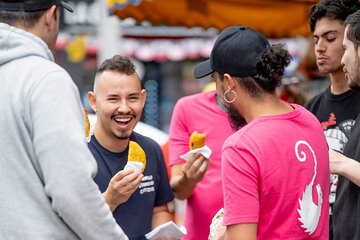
237 51
31 5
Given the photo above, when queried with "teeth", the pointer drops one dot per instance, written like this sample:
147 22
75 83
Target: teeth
122 120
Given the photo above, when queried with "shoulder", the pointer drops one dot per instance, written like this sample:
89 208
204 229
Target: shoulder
195 98
144 141
313 102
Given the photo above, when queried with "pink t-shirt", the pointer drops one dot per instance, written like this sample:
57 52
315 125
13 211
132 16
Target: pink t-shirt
200 112
276 174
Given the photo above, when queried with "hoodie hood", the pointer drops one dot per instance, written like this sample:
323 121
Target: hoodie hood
16 43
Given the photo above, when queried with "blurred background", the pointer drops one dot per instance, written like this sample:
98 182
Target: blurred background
166 38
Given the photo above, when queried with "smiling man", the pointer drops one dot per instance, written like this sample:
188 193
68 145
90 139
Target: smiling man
138 201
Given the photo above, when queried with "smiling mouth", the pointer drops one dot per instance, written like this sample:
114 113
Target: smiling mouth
122 120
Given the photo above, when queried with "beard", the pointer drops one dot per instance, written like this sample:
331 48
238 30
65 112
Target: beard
354 80
236 121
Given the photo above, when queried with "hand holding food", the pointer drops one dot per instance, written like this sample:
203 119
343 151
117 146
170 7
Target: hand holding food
121 186
136 157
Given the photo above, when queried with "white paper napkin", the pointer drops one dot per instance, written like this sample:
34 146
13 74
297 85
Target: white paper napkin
205 151
136 166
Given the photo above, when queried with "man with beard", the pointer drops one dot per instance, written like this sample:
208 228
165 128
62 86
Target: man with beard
138 201
338 106
275 168
346 214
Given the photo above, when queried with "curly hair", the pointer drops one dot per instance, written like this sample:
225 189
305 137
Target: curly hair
270 68
353 32
333 9
119 64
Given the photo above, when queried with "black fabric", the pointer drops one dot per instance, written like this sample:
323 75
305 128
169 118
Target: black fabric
236 51
135 215
337 114
346 211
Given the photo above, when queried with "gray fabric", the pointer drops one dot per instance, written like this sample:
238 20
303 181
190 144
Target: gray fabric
46 173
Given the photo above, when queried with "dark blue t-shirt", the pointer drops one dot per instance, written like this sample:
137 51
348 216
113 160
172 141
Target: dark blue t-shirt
135 215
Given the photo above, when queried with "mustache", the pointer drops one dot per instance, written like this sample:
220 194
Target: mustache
130 114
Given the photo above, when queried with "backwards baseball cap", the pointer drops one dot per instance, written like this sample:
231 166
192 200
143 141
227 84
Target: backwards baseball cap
31 5
236 51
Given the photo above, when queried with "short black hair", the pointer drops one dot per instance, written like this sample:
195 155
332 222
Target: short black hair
353 32
333 9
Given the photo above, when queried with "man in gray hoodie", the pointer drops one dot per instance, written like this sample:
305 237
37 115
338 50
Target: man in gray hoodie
46 173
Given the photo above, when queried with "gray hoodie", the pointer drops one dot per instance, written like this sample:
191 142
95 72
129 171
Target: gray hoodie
46 170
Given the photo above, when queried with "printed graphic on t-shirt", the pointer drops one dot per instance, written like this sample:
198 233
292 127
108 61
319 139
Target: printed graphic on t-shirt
336 138
147 184
309 212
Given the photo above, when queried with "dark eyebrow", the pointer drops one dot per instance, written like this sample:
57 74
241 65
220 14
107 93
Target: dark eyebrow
326 33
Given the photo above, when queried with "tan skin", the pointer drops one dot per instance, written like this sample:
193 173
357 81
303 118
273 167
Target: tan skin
185 176
327 37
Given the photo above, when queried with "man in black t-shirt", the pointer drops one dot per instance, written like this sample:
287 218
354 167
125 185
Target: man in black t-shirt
338 106
347 205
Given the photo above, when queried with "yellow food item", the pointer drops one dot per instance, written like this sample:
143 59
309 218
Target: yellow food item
197 140
87 124
137 154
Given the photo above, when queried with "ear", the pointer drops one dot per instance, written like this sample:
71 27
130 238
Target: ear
92 100
229 81
143 97
50 16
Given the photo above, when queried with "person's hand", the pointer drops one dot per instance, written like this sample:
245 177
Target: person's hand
195 169
122 185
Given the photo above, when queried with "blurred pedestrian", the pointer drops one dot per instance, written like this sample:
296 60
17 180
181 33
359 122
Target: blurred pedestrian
338 106
199 179
275 168
139 201
346 214
47 171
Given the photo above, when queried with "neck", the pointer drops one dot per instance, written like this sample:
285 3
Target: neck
269 105
339 83
111 144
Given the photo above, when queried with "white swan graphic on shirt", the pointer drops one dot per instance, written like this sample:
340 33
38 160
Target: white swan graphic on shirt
309 212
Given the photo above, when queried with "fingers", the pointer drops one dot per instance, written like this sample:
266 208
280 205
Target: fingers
196 168
121 174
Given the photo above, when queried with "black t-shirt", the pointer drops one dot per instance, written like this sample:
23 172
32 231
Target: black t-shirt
346 216
135 215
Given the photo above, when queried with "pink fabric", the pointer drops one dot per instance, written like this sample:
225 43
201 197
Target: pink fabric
264 180
200 112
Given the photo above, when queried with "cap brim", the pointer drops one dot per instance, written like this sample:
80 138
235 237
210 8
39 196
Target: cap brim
66 6
202 69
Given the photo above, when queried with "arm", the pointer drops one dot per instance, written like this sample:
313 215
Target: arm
185 176
344 166
121 187
245 231
161 215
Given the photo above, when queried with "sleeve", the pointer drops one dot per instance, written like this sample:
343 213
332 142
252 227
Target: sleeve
240 185
178 134
164 193
66 164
